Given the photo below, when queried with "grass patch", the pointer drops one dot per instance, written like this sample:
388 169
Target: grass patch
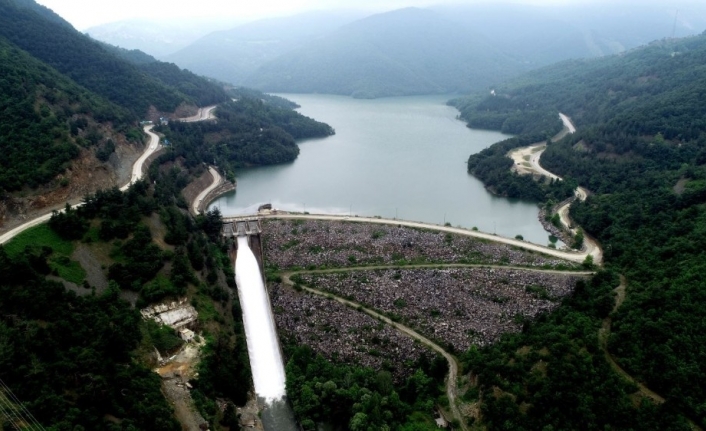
68 269
39 236
207 311
59 261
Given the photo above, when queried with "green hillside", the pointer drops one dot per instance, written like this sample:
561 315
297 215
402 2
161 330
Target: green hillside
46 119
86 62
641 152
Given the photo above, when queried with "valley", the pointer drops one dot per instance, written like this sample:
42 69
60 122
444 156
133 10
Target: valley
475 217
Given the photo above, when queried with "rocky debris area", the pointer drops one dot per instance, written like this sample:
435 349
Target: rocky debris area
340 333
316 243
175 314
456 306
95 277
176 372
249 414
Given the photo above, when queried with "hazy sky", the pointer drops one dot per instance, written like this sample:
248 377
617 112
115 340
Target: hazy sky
86 13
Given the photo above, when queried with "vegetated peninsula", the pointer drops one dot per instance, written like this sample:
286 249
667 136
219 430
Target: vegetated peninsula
639 151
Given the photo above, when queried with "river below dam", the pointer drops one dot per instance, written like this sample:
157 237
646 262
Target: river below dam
400 157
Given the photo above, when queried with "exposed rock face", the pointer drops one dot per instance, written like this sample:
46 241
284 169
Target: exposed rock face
85 175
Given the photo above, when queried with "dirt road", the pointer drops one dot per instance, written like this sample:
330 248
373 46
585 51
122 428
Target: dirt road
203 114
526 161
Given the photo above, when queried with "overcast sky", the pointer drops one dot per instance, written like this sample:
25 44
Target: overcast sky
87 13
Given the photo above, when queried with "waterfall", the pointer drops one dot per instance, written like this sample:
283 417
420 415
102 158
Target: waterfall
263 346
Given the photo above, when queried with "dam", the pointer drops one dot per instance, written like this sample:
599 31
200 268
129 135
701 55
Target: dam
264 351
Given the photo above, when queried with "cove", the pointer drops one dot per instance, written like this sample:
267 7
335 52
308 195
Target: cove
401 157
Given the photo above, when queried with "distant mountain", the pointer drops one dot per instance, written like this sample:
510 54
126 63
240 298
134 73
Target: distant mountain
440 49
544 35
407 51
233 55
159 39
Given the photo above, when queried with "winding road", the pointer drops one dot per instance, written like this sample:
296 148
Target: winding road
526 161
139 163
203 115
217 180
135 176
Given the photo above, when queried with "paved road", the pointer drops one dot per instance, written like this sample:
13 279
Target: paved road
137 167
217 180
136 175
574 256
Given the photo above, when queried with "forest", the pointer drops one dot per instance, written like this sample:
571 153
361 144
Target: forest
83 361
65 94
640 151
359 398
46 120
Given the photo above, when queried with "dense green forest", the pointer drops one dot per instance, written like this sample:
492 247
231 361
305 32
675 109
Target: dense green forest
46 119
42 34
358 398
248 132
81 362
640 151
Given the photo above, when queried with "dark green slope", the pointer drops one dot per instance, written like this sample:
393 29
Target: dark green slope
641 150
45 119
203 91
86 61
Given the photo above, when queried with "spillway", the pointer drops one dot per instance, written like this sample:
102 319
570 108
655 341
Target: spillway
263 347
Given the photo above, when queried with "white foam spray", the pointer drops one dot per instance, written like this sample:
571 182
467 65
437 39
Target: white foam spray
263 347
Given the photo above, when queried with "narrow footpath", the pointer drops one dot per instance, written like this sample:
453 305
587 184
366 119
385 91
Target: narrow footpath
604 335
453 363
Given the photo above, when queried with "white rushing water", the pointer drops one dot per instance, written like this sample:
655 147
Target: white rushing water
263 348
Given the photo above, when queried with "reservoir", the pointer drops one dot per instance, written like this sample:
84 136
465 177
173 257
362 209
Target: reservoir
402 157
